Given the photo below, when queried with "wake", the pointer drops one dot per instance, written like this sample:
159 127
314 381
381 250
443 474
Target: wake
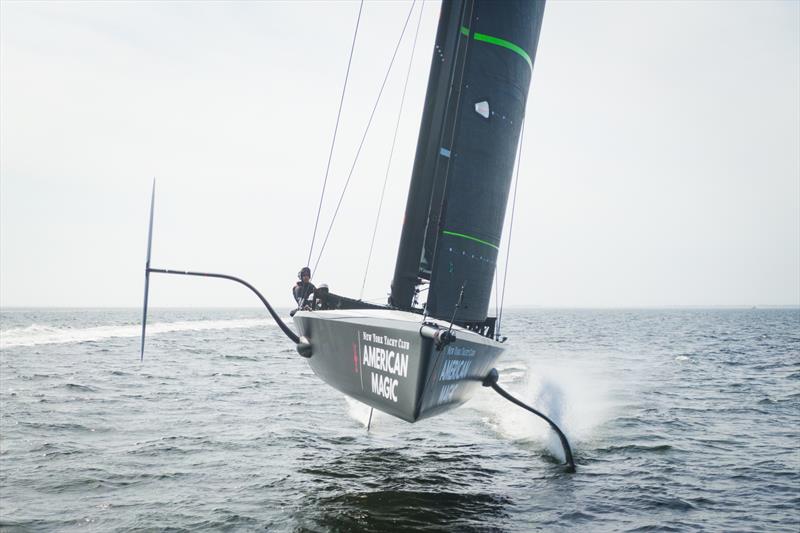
37 334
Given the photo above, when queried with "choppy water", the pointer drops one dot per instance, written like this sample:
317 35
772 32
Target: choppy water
680 420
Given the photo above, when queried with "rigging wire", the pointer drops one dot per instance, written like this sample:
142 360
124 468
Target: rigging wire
391 152
363 138
335 131
496 306
511 226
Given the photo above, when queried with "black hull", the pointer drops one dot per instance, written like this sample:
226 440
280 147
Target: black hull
380 358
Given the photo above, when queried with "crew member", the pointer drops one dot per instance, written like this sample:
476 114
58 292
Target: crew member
303 290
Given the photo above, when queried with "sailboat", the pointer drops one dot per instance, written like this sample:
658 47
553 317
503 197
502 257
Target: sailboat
414 359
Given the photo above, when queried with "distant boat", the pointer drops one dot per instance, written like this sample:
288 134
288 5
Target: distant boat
433 345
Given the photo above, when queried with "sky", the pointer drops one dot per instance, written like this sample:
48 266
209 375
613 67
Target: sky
660 164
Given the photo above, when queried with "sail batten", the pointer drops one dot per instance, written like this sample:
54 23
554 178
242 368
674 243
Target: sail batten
505 44
470 237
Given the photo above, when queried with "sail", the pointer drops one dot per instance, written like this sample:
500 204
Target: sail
411 262
475 103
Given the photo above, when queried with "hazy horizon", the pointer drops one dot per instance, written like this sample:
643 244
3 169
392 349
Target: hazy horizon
660 163
491 311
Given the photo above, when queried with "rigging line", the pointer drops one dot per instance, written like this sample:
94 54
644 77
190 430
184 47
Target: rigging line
363 138
335 131
391 152
496 304
511 225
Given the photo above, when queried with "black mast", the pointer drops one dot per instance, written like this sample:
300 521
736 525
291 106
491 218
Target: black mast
437 101
475 104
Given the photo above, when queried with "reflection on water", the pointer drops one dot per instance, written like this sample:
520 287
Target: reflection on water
389 510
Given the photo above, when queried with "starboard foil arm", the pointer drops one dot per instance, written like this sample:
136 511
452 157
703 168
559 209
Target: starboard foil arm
491 381
303 345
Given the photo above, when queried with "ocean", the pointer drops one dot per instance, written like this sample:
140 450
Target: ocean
679 419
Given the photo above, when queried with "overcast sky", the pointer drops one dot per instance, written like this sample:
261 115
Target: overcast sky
661 161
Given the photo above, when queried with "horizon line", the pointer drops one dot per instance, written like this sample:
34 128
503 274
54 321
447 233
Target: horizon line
515 306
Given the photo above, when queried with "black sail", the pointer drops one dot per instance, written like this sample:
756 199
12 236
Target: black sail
410 258
475 104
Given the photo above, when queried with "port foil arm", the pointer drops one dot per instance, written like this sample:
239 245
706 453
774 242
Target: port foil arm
281 324
303 345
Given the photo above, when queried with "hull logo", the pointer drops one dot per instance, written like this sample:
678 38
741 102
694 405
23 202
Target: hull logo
387 360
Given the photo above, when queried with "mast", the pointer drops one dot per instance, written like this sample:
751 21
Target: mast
474 107
438 98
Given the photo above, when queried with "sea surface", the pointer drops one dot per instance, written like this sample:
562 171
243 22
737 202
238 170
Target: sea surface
680 420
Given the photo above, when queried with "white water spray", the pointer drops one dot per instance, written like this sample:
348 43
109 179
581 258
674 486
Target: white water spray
573 395
359 411
381 422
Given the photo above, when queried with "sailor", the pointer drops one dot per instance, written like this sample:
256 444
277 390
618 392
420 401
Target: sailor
303 289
